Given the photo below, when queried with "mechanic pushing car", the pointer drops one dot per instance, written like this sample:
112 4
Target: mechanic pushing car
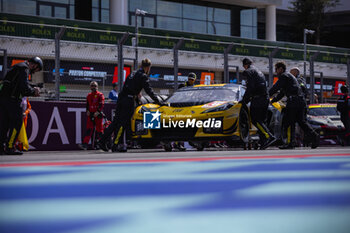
12 89
343 106
256 93
133 85
296 105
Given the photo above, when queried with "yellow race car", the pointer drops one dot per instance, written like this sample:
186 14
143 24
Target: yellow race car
196 114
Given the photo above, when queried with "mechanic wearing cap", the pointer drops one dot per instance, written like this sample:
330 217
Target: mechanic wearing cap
343 106
113 94
256 93
190 80
13 88
302 83
133 85
295 107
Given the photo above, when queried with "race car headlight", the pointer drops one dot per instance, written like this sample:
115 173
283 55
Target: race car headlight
144 109
311 122
219 108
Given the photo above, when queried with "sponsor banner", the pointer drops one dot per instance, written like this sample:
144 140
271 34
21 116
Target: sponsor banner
127 71
110 34
79 72
207 78
164 77
72 72
337 90
58 125
161 77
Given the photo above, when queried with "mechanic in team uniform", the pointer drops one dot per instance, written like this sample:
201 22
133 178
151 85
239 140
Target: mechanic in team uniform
95 101
256 93
190 81
302 83
295 71
12 89
296 105
343 106
133 85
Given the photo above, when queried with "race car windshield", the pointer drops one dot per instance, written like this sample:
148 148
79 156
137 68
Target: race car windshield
323 111
193 96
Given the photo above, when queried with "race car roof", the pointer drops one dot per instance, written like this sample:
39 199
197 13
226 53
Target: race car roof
322 105
218 85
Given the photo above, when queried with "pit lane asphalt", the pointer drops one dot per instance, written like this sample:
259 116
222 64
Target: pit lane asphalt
154 155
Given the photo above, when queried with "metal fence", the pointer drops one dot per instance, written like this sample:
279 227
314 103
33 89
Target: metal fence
73 57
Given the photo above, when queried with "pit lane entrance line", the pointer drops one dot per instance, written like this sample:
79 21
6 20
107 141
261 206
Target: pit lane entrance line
197 159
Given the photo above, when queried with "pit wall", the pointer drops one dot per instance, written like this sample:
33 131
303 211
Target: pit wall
59 126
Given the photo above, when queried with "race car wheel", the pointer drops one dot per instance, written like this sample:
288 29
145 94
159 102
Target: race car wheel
168 147
200 146
244 124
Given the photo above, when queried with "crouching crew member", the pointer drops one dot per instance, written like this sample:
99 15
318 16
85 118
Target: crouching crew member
191 78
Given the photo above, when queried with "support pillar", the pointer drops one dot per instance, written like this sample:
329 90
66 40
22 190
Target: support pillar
121 42
226 66
58 37
118 12
270 23
271 55
176 62
312 77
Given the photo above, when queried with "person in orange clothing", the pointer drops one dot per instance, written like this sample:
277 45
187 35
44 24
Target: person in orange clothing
95 101
27 107
21 143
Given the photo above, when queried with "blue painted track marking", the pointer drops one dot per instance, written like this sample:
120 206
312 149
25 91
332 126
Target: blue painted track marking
256 195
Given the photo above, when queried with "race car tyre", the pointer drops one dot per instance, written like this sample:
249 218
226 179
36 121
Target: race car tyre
244 124
340 140
168 147
200 146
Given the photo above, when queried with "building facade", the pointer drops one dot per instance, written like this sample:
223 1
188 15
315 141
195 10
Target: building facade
93 28
219 17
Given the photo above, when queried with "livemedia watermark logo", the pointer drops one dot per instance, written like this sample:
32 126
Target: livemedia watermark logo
152 120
